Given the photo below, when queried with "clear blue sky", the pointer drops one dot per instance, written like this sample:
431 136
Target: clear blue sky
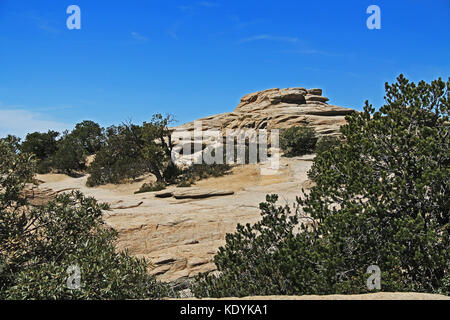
196 58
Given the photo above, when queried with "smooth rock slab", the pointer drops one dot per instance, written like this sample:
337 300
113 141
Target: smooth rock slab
315 91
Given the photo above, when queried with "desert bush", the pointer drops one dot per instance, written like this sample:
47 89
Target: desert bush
298 141
120 158
70 156
12 141
89 135
326 143
131 150
73 148
150 187
157 147
39 243
43 146
199 171
203 171
382 198
185 183
66 154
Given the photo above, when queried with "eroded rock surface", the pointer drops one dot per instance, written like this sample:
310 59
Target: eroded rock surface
181 236
179 230
277 109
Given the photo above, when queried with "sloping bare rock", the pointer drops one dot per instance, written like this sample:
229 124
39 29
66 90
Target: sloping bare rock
164 260
179 238
193 193
38 195
127 206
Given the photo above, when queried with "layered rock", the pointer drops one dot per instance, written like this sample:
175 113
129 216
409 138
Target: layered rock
278 109
193 193
38 196
268 109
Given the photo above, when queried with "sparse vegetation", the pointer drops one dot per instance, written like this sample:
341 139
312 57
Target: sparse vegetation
298 141
89 135
381 197
39 243
326 143
131 150
43 146
66 154
70 155
150 187
120 158
202 171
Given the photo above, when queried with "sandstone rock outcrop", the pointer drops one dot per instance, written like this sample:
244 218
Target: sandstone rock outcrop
278 109
38 196
179 230
268 109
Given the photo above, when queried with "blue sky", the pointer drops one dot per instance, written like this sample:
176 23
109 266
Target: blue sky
196 58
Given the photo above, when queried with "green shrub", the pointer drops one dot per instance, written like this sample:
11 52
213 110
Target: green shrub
381 198
150 187
89 135
298 141
44 166
131 150
201 171
185 183
326 143
12 141
43 146
120 158
39 243
70 156
157 147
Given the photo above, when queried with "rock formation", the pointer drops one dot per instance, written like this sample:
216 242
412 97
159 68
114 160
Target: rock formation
179 230
278 109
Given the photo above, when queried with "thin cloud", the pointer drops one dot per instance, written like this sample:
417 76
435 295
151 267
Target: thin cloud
138 37
46 25
267 37
19 122
189 11
173 30
315 52
238 24
207 4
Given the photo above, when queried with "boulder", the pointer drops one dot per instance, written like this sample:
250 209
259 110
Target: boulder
311 97
268 109
315 91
